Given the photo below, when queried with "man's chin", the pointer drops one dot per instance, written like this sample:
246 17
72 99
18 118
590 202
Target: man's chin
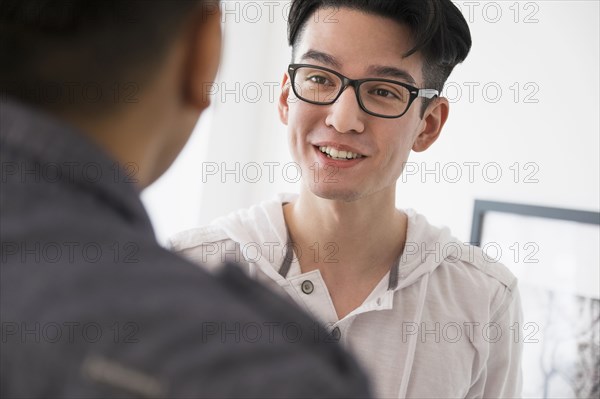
336 193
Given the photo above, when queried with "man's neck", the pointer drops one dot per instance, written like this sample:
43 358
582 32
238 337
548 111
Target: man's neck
347 241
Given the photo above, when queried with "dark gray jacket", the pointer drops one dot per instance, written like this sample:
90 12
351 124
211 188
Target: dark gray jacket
92 306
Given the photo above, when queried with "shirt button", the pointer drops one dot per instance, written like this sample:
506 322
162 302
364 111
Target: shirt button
336 334
307 287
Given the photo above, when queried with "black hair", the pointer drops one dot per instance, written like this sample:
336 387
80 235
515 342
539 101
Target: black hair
439 30
51 50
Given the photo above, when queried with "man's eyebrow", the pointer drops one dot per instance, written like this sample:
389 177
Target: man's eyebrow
321 57
373 70
392 72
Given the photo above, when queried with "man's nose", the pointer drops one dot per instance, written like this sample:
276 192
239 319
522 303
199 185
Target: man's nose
345 115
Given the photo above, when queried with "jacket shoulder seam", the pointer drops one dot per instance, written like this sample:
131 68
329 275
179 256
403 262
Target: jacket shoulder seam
475 257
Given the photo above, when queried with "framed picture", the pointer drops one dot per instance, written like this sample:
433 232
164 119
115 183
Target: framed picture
555 254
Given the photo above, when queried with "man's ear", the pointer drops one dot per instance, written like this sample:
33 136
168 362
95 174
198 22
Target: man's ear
204 56
432 123
282 104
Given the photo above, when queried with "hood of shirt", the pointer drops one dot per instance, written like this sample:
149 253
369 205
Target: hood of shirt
262 235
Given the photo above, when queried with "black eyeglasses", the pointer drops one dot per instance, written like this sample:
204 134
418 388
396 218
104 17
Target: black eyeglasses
378 97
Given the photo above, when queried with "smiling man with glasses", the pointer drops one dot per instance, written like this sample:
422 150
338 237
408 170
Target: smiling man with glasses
426 315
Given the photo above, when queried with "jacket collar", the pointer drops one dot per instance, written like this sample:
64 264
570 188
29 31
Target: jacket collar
60 154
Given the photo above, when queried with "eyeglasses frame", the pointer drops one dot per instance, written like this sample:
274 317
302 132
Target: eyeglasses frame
415 92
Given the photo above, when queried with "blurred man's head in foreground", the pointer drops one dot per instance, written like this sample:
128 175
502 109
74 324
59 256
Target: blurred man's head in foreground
130 74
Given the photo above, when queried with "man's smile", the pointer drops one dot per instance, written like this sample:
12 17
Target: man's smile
339 154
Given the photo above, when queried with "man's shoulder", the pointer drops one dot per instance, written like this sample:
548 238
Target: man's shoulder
163 313
477 279
437 246
196 237
474 260
209 246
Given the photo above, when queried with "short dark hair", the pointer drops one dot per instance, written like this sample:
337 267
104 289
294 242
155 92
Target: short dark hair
58 44
439 30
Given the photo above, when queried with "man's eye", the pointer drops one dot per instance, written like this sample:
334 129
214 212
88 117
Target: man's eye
384 93
320 80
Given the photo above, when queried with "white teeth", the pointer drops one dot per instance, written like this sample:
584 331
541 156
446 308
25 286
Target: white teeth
338 154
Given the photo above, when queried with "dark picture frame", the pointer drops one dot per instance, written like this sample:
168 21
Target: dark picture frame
561 328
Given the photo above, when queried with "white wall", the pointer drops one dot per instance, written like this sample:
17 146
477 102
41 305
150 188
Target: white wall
550 49
559 134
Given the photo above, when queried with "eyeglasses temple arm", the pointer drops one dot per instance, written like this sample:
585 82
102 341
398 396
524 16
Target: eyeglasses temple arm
428 93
